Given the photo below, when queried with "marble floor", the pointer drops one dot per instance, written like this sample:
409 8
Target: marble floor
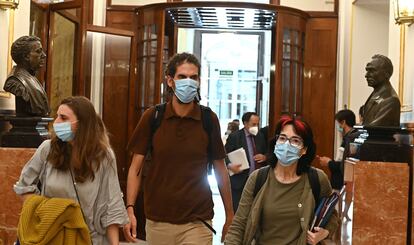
219 219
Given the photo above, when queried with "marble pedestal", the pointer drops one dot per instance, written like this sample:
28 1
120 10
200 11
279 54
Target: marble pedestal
12 161
381 201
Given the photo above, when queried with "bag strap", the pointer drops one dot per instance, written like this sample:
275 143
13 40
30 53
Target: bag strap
315 184
158 115
159 110
77 197
76 192
261 179
312 176
207 126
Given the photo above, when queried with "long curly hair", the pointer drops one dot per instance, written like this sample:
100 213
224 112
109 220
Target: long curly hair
89 146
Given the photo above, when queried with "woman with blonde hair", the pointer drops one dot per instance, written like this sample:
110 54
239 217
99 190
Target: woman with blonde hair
79 164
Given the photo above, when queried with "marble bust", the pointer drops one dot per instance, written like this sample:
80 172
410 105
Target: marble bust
31 98
383 106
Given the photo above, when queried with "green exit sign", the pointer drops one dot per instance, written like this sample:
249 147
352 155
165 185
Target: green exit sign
226 73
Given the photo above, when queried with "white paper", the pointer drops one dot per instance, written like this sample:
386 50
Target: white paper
339 154
239 157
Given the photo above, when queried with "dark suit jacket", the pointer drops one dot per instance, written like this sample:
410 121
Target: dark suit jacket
337 168
382 108
235 141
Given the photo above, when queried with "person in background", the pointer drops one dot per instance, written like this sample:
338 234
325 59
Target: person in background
264 132
254 146
345 121
79 154
231 127
237 122
282 211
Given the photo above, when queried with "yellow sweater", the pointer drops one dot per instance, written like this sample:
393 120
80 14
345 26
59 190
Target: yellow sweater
52 221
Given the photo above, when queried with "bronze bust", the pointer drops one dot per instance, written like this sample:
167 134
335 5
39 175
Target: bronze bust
382 107
31 98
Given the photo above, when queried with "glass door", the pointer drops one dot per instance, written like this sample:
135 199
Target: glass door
109 71
62 55
233 79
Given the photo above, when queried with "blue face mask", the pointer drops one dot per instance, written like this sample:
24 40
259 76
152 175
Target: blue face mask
63 131
339 128
186 90
286 153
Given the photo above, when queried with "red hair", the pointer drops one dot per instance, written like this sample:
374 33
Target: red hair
302 129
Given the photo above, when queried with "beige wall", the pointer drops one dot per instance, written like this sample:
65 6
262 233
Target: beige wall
4 19
367 28
369 36
21 28
409 76
343 59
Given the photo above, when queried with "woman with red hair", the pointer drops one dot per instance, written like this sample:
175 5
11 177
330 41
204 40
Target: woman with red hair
282 210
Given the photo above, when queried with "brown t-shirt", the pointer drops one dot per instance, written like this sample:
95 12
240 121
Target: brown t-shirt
176 188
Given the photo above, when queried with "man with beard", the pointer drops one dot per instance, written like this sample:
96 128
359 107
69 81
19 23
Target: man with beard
178 201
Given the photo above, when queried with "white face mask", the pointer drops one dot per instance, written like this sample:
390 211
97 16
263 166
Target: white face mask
254 130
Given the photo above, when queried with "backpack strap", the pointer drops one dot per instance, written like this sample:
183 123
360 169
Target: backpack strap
207 126
260 179
156 120
158 115
312 176
206 120
315 184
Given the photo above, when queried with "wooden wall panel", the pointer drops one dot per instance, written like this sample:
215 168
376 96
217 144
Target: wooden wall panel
126 19
320 82
121 20
115 99
285 22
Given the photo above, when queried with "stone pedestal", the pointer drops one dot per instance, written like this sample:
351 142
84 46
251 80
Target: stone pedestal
12 161
26 131
389 144
381 201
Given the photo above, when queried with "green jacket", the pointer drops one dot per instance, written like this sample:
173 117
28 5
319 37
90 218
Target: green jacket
247 219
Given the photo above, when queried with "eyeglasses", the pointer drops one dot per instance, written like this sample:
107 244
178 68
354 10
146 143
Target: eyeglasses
293 141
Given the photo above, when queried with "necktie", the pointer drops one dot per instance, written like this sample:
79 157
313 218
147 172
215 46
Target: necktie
253 144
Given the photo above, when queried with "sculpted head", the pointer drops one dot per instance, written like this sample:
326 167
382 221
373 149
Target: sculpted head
378 71
27 52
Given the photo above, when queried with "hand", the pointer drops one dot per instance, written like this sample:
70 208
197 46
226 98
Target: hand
234 167
324 161
226 227
259 158
130 229
314 237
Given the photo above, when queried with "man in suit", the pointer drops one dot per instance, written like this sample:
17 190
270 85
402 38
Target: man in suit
382 107
255 149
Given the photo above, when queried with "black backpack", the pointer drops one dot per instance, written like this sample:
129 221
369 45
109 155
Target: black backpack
205 119
312 176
